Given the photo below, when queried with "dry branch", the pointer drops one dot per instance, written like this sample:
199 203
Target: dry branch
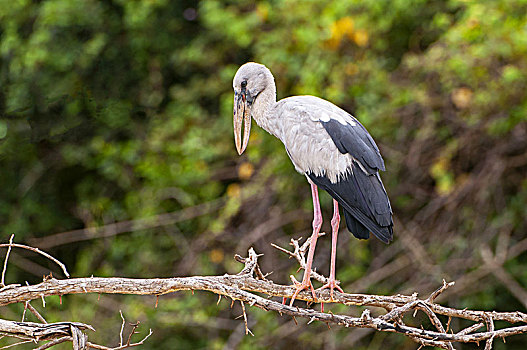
244 287
40 331
220 285
113 229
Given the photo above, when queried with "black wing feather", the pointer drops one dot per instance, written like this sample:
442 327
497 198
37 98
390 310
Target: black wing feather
365 203
355 227
356 141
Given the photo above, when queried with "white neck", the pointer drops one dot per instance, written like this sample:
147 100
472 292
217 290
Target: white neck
262 110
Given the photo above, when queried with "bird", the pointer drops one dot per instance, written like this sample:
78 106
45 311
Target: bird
330 147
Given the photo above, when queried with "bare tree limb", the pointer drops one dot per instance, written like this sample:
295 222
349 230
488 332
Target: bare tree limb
127 226
246 287
218 284
242 288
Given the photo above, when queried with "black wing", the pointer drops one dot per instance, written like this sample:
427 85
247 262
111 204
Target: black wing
360 192
357 141
365 203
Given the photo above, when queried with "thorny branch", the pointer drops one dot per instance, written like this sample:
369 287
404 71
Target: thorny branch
54 333
244 287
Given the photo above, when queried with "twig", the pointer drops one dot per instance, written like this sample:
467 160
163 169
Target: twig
2 283
125 346
54 342
36 250
399 311
247 330
16 344
251 262
426 342
299 254
490 328
471 329
35 312
93 345
439 290
132 332
435 321
127 226
122 329
495 265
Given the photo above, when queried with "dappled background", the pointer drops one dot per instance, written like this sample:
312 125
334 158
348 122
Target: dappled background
118 114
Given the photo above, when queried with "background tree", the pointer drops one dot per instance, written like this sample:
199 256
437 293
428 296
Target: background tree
119 110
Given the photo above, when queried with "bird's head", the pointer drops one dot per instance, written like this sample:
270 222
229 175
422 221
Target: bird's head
250 80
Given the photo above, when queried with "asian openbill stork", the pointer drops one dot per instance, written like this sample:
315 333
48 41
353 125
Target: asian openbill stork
326 144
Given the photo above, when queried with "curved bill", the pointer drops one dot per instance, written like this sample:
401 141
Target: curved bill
242 115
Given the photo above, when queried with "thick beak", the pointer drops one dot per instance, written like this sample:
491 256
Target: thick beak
242 112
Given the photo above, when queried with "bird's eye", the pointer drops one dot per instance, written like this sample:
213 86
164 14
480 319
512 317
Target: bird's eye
244 84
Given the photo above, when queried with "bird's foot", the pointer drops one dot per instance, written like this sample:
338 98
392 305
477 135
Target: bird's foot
332 284
300 286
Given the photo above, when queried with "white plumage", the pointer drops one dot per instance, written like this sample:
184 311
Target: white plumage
309 146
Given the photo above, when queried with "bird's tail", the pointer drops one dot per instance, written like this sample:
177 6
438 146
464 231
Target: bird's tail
384 233
355 227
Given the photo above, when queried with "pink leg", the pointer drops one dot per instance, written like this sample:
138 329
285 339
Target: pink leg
332 283
317 224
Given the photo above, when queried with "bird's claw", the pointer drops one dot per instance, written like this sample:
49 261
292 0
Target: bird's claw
300 286
332 284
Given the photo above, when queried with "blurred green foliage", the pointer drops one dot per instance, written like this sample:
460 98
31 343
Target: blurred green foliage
118 110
